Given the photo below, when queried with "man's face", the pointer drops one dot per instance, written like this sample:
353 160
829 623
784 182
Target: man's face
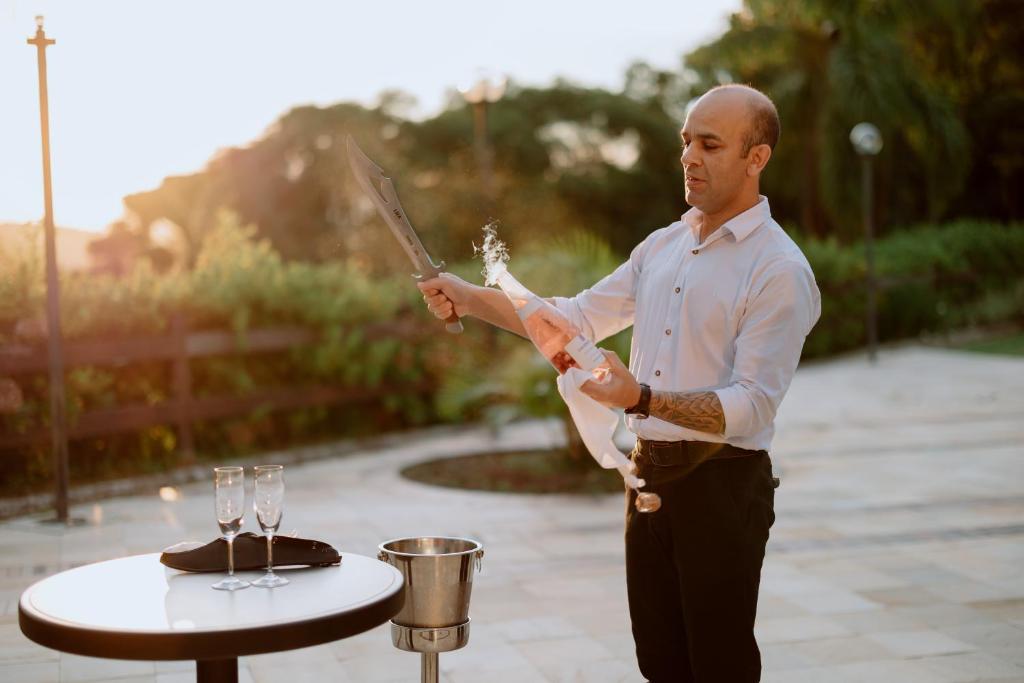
712 144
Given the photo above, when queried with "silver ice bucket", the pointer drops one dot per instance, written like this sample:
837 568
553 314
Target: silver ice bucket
438 575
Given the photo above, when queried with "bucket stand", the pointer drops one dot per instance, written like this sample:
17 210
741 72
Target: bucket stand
429 642
438 574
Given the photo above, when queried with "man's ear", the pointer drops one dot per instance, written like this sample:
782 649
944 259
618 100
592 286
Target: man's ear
757 159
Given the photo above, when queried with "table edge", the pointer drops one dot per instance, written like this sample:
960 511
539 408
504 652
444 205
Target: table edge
208 645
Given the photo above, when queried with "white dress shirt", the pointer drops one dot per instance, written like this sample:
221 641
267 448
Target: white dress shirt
729 315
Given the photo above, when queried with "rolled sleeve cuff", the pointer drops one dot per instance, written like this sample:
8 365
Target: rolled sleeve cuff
737 409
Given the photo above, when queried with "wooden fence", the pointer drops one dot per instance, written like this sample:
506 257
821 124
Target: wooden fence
179 347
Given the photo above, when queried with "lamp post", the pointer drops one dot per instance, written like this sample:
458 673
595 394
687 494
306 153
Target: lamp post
867 141
480 95
58 416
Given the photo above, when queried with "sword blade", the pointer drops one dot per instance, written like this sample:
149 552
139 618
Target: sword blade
381 192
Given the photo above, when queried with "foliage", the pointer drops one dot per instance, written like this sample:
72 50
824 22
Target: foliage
565 157
936 278
829 64
569 157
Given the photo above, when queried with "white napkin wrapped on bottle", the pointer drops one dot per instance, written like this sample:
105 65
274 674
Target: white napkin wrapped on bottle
597 424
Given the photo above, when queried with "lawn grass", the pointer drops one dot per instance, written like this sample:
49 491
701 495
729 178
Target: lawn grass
1009 345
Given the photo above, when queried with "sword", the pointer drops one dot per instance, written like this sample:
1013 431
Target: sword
381 192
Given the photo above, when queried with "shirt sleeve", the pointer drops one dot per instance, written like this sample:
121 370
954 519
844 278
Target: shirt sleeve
610 305
771 336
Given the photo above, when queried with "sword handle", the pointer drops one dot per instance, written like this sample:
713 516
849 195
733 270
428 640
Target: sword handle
453 324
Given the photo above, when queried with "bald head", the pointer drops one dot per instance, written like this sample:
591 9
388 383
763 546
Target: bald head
763 120
728 138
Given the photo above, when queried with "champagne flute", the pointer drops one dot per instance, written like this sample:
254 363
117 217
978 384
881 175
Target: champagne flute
268 500
229 502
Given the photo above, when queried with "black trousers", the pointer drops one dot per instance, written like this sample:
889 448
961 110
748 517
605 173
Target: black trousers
693 567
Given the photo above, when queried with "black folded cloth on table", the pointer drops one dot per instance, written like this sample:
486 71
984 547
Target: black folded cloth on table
250 553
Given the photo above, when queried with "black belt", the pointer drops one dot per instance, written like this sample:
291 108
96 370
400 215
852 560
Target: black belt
669 453
691 453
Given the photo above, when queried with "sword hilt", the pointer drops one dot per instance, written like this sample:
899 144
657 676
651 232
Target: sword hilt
453 324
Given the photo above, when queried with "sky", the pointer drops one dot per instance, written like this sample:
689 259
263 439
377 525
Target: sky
140 90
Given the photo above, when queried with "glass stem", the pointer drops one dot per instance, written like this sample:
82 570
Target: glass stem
231 555
270 552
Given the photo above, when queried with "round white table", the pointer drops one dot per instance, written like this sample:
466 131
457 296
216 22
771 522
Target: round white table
136 608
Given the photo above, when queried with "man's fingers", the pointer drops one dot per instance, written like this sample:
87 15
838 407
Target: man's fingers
433 285
613 358
439 306
437 301
591 389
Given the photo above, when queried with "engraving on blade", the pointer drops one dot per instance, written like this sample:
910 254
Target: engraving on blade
389 208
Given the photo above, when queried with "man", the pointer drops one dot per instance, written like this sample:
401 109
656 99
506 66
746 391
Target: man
720 302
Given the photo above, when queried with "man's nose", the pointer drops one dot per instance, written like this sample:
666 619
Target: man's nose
687 158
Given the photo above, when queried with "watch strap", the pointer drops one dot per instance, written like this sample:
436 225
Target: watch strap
642 408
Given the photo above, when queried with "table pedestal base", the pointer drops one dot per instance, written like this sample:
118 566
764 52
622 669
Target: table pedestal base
217 670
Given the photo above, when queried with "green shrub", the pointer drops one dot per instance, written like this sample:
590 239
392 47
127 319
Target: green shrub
934 279
931 279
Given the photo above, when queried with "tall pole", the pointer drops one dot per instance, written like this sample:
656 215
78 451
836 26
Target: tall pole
481 95
483 150
58 416
867 141
869 256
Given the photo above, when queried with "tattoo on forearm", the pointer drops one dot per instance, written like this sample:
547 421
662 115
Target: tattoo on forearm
700 410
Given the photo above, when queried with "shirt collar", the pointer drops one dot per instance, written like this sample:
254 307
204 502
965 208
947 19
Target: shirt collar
740 225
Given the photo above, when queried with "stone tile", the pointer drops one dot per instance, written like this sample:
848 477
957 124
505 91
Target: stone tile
798 628
940 614
16 648
312 672
77 669
513 674
973 593
306 656
972 666
904 671
833 651
900 597
833 602
31 672
987 634
876 620
919 643
569 659
402 666
176 677
1002 609
555 563
541 628
620 647
770 607
777 657
817 674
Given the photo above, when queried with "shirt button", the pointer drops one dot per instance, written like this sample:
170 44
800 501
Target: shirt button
677 290
668 331
657 373
695 252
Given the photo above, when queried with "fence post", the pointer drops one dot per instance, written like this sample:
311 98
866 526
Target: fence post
182 385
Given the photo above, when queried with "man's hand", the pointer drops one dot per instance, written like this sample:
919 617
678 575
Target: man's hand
446 293
618 389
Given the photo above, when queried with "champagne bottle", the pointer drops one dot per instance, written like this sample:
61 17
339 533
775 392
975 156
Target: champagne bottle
552 333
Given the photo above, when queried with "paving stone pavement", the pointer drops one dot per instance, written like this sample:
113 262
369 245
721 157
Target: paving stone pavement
897 554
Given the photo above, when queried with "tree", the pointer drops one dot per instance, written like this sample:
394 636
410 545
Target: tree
829 64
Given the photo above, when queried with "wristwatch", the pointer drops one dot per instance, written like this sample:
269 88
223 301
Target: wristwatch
642 409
